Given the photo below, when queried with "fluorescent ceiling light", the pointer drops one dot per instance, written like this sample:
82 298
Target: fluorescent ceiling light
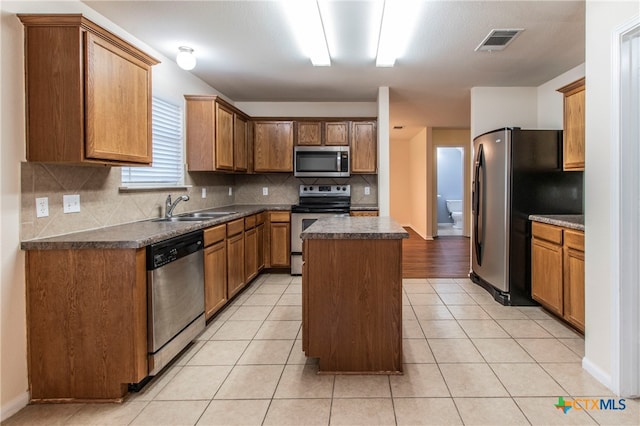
398 20
306 22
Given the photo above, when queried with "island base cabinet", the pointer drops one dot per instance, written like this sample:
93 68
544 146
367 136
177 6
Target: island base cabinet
86 323
352 305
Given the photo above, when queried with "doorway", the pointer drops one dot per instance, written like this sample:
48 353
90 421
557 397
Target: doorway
450 190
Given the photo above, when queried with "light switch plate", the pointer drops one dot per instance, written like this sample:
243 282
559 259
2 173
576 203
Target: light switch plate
265 190
230 191
367 190
204 192
71 203
42 207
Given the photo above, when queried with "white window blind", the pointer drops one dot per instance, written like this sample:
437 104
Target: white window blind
166 122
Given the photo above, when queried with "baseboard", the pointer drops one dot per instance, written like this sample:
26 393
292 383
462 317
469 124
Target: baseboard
598 374
13 406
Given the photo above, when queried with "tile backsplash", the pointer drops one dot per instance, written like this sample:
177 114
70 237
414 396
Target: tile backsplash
102 203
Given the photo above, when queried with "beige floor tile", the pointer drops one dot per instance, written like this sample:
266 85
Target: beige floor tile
171 413
405 299
298 412
185 356
483 298
542 411
419 299
490 411
227 312
302 381
457 299
251 313
408 314
356 386
411 330
278 289
237 330
527 380
426 411
194 382
468 312
472 380
419 380
527 329
482 329
454 351
278 279
442 280
501 350
43 414
535 312
154 387
219 352
235 413
575 380
278 330
267 352
211 329
297 356
498 311
294 288
416 351
576 345
442 329
415 281
548 350
432 313
446 288
369 412
470 287
106 414
290 300
262 300
296 279
286 313
558 329
250 382
629 416
418 287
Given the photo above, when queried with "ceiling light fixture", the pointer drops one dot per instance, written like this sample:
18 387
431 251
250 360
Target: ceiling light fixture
305 20
398 20
185 58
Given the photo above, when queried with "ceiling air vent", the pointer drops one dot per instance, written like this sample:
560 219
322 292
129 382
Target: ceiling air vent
498 39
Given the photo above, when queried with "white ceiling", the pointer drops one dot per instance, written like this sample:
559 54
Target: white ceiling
246 51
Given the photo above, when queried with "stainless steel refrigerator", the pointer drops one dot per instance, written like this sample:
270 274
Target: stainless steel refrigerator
516 173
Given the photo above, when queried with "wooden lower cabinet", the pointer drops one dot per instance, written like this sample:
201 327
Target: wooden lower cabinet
260 240
215 269
280 239
557 271
250 254
235 257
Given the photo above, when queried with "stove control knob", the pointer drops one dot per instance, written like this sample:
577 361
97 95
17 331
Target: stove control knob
344 188
304 189
311 188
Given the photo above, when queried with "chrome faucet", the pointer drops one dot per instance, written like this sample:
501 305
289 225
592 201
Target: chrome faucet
171 206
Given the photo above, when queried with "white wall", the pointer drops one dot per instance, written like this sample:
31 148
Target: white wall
550 101
601 19
496 107
383 151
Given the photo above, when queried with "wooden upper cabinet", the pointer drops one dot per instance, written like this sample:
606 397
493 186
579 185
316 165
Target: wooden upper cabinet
363 147
308 133
336 133
316 133
573 135
216 135
273 146
88 93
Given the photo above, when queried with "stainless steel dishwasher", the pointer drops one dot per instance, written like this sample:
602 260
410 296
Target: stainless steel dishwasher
175 279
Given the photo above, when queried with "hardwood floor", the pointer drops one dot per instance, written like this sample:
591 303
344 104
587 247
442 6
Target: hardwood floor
444 257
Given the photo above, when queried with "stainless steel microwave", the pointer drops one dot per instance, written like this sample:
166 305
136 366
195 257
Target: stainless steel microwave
321 161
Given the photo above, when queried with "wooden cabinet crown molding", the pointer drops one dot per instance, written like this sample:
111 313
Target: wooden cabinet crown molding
573 87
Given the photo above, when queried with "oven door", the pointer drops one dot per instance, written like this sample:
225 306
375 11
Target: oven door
300 222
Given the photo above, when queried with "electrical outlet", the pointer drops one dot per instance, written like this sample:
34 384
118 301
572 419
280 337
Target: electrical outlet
204 192
71 203
367 190
42 207
230 191
265 190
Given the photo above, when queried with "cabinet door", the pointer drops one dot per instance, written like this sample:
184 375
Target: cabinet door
546 275
280 245
336 133
363 147
118 104
273 146
215 277
573 158
364 213
574 278
235 264
240 162
250 254
308 133
260 243
224 138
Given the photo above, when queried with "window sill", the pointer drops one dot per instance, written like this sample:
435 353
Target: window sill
151 187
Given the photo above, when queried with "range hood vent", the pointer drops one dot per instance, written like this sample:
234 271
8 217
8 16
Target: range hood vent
498 39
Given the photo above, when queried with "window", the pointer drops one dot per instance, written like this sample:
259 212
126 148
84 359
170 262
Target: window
167 170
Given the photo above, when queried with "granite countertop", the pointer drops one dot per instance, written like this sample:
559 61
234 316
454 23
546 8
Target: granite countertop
355 228
364 207
572 221
141 234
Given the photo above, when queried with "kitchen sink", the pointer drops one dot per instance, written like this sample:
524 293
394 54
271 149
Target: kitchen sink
205 215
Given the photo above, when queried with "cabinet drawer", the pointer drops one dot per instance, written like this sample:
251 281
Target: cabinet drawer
574 239
214 234
260 218
235 227
550 233
279 217
250 222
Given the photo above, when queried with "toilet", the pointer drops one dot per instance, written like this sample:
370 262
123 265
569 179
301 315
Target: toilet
455 210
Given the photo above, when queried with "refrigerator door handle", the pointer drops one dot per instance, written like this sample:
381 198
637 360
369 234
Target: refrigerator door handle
477 193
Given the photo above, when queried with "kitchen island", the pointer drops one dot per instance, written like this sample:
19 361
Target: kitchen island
352 295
